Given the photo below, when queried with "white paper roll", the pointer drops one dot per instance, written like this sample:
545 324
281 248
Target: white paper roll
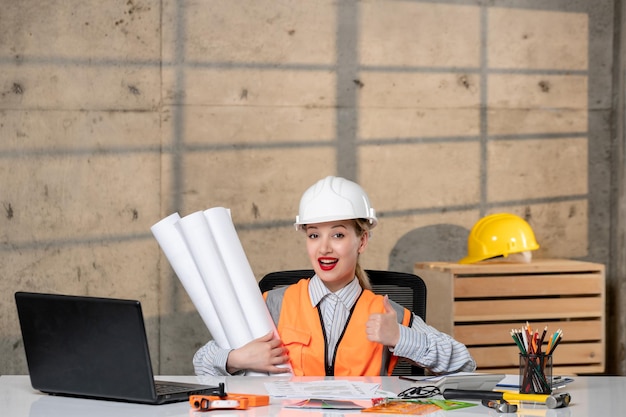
248 293
201 243
177 253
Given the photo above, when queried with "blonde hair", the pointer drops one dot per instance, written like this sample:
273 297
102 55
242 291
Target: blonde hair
362 226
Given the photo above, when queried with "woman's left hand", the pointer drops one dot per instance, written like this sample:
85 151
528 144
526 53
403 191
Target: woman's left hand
383 327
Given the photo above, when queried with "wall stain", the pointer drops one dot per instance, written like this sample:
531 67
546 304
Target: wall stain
9 210
131 14
255 211
17 88
244 94
544 86
133 8
135 214
134 90
527 214
358 83
274 18
463 81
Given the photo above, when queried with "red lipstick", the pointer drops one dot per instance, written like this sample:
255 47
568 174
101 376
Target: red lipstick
326 264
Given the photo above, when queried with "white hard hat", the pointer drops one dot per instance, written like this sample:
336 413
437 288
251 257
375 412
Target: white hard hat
334 198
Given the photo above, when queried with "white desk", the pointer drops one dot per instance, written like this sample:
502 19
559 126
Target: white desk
591 396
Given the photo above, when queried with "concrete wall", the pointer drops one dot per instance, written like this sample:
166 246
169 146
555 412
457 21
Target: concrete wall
115 114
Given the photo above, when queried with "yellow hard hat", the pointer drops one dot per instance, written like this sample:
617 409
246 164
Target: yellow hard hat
499 234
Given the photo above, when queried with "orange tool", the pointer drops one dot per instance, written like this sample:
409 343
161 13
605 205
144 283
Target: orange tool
213 402
254 400
229 401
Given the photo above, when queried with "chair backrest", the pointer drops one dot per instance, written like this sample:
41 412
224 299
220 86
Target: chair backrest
406 289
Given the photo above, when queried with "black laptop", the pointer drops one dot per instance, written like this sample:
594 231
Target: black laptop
93 347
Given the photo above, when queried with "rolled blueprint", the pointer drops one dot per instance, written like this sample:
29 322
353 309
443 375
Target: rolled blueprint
231 251
201 243
177 253
247 289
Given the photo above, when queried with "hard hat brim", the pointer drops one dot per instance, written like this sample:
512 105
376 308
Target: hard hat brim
475 259
298 225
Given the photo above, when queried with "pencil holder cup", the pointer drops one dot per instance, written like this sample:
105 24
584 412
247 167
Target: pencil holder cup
535 373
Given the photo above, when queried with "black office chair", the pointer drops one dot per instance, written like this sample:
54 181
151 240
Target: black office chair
404 288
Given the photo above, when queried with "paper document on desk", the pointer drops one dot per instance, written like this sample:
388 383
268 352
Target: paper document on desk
322 389
459 380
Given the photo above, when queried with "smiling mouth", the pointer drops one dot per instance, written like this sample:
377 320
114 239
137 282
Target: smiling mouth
327 263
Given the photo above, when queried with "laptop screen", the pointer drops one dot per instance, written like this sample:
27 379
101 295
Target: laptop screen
86 346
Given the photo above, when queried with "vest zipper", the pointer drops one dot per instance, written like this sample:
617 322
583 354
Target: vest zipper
330 368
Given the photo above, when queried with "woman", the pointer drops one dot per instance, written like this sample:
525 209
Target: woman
332 323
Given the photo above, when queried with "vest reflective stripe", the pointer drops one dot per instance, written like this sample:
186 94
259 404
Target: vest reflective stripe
301 331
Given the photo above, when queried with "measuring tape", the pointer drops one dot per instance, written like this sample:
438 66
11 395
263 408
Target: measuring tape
227 402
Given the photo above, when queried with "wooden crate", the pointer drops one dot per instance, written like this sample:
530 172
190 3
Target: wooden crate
479 304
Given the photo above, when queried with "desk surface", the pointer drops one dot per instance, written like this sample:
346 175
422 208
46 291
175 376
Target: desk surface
591 396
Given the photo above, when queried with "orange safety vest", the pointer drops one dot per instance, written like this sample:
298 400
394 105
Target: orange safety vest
300 328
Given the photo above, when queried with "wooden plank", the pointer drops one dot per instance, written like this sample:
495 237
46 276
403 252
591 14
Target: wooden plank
500 333
565 354
536 266
440 298
521 285
556 370
528 309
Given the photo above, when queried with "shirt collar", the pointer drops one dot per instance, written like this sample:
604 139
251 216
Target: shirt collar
347 295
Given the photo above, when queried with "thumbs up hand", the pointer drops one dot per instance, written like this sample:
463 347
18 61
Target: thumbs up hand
383 327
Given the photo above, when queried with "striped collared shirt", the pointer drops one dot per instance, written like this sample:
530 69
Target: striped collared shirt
335 309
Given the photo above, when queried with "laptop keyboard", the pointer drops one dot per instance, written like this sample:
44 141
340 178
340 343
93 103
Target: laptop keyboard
165 388
169 387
